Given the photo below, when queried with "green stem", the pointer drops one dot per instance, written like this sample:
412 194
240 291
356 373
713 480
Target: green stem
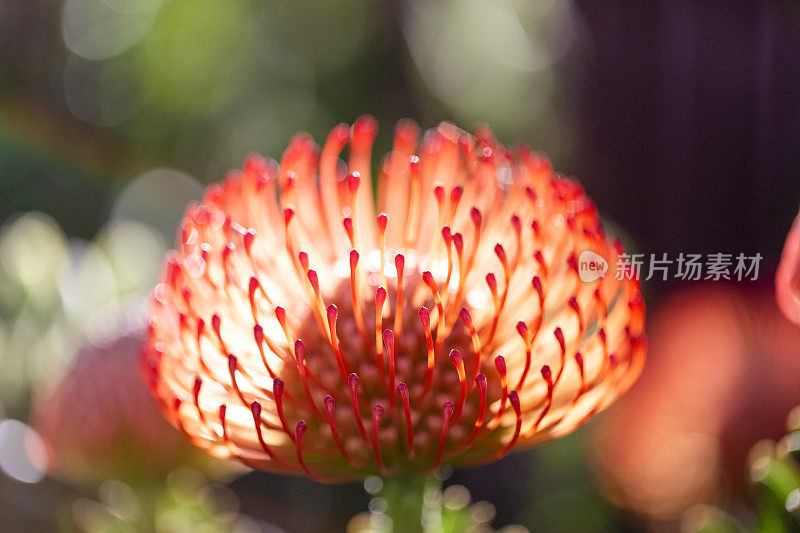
406 501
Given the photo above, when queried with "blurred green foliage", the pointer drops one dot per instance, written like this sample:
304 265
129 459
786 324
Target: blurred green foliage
57 293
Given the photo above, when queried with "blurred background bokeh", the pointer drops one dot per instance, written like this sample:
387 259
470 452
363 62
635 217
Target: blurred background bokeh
681 118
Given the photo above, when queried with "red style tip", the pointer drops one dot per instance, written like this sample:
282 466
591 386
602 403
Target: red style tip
402 389
377 415
388 338
458 242
573 303
447 413
365 128
456 193
223 409
500 252
303 258
406 130
572 261
330 411
513 397
500 365
425 317
413 164
253 285
341 132
300 431
579 362
559 335
248 239
333 312
491 281
447 235
466 318
299 349
227 251
475 215
447 409
352 383
313 279
353 181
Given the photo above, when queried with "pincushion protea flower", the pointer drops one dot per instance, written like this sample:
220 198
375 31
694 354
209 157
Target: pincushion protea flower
300 330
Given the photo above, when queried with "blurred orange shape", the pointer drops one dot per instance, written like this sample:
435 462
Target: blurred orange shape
787 278
722 375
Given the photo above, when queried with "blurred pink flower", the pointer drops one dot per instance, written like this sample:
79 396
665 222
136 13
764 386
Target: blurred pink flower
100 422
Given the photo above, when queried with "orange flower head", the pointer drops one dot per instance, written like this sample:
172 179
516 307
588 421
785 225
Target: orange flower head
299 329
